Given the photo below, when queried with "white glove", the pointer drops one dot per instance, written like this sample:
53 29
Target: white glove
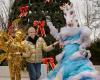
85 53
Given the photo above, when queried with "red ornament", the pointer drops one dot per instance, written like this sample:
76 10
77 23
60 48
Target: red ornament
48 61
23 11
35 23
52 63
40 25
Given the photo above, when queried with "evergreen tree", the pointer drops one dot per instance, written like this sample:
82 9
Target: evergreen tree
38 9
95 51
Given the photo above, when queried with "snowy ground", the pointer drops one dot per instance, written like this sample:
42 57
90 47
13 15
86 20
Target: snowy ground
4 73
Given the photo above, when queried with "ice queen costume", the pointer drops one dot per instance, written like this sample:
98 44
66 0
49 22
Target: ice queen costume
73 62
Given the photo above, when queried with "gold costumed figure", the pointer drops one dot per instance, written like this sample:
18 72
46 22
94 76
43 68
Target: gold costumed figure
14 49
14 57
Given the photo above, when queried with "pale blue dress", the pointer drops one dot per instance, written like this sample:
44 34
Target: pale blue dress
78 68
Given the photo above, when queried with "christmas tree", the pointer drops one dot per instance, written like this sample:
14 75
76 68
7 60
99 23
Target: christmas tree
37 10
25 12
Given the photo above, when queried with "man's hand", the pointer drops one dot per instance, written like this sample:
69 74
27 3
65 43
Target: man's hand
55 43
61 46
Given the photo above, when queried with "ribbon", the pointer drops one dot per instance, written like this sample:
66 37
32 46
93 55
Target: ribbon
48 61
52 63
40 25
23 11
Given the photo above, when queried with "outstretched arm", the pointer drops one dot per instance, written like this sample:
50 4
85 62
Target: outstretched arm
41 44
53 30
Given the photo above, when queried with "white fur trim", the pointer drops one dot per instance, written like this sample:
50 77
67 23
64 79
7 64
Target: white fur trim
85 31
68 31
76 55
85 37
80 54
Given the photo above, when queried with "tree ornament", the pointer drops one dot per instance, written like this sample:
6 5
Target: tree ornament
40 25
47 61
23 11
30 12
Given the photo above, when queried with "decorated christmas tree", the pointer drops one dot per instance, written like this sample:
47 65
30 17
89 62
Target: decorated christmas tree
26 13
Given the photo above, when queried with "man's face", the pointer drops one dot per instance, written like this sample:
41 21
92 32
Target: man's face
19 35
32 33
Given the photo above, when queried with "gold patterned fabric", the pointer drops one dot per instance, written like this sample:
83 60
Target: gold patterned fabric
34 52
14 60
14 63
